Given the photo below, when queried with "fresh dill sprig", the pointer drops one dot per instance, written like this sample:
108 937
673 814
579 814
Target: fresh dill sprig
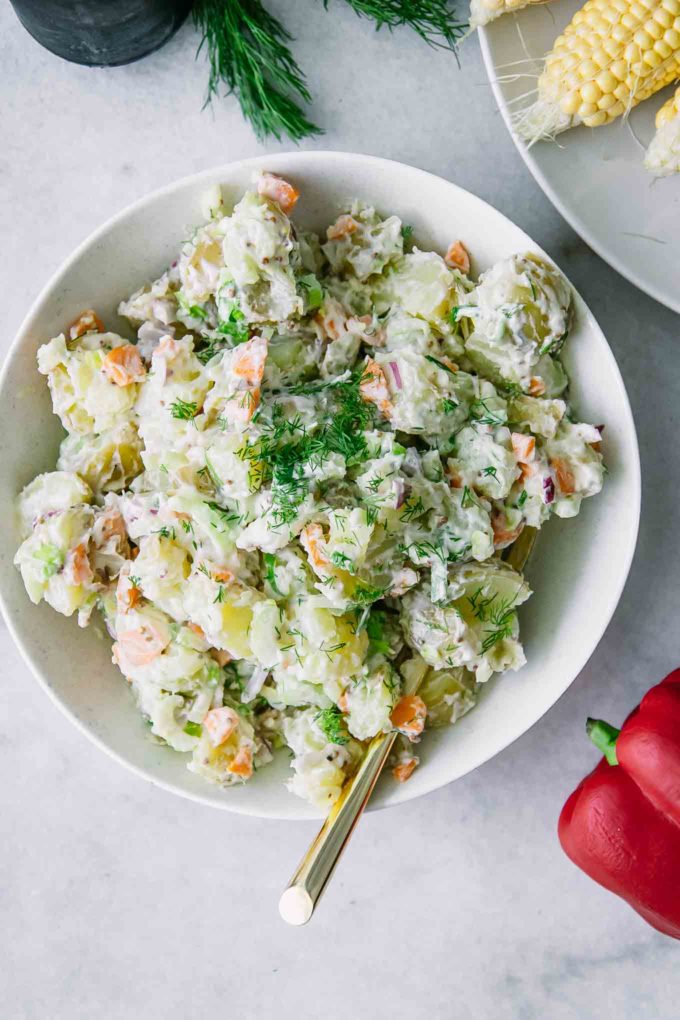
286 448
184 410
433 20
502 617
248 51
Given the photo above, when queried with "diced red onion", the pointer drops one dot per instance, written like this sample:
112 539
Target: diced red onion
548 490
396 373
401 491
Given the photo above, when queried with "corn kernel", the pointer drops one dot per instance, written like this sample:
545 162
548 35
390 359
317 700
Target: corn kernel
570 103
591 93
596 119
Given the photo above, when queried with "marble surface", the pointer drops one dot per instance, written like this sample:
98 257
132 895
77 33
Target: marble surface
119 900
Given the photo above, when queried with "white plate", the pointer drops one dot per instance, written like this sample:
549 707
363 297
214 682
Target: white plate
594 177
579 568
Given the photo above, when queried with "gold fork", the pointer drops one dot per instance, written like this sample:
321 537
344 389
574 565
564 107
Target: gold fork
299 900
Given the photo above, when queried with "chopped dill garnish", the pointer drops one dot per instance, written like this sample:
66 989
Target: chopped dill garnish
287 451
502 616
468 499
185 410
482 414
440 364
332 725
341 560
225 515
412 509
375 628
165 532
269 560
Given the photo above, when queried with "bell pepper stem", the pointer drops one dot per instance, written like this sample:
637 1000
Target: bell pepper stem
603 735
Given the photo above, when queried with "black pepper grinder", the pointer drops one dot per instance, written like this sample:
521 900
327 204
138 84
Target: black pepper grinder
101 33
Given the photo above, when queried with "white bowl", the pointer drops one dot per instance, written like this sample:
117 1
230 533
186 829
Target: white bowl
577 572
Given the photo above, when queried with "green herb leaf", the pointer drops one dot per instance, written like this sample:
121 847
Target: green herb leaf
375 628
270 571
248 52
440 364
186 410
433 20
332 725
313 291
193 729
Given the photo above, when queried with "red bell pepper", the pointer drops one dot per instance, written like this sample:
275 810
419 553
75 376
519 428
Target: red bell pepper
622 823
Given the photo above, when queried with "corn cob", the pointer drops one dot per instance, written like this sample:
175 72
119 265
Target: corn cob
484 11
663 154
614 54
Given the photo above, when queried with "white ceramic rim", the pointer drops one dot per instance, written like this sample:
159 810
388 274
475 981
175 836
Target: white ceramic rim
403 795
579 225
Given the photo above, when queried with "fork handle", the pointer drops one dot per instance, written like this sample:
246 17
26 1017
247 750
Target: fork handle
298 901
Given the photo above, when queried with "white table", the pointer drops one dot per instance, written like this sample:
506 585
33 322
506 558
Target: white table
122 901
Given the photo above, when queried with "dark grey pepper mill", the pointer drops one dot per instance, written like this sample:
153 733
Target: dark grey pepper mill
101 33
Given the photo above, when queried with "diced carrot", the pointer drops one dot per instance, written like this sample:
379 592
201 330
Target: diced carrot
197 629
248 361
332 319
344 225
457 257
502 534
167 347
113 526
449 364
523 446
564 475
141 646
123 365
312 540
528 469
127 597
408 715
536 386
241 407
278 190
404 770
223 576
373 387
78 568
219 724
242 765
87 322
343 702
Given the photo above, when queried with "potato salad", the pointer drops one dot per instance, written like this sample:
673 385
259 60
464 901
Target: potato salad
288 487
